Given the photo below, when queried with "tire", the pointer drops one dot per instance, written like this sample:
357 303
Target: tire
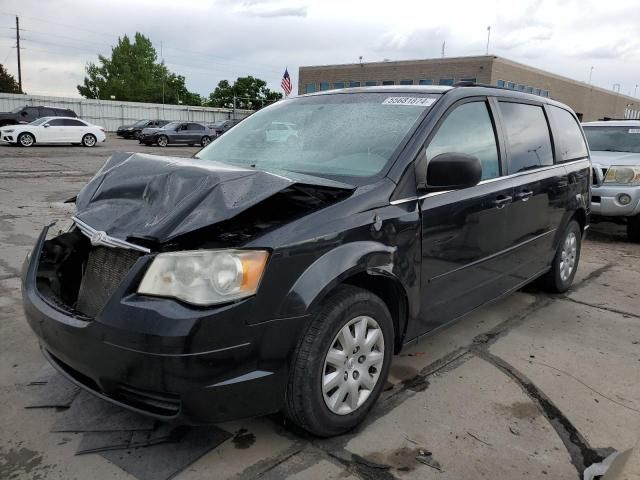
89 140
307 402
204 141
565 261
26 139
136 135
633 228
162 141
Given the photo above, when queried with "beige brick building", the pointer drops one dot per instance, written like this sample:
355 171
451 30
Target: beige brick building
589 102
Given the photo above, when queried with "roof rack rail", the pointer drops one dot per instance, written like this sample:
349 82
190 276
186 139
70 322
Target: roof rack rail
468 83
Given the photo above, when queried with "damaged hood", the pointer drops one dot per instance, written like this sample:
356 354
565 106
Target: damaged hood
159 198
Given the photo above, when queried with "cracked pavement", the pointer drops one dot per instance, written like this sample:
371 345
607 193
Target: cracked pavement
533 385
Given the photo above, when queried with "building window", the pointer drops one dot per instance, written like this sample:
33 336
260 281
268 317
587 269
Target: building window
406 82
511 85
545 93
370 83
310 88
520 87
425 81
537 91
500 83
529 89
338 85
325 86
446 81
354 84
388 82
468 79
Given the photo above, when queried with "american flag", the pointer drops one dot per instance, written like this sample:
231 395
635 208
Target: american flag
286 83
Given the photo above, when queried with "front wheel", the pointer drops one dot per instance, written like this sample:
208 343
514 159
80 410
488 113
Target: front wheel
88 140
341 363
633 228
205 141
565 261
162 141
26 140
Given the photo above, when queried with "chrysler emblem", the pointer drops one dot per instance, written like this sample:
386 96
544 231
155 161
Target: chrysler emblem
98 238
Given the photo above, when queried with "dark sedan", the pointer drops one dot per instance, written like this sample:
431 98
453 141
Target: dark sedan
223 125
191 133
134 130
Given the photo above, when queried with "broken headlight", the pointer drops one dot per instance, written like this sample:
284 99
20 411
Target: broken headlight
205 277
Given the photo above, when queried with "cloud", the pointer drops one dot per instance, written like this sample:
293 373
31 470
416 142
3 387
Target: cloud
279 12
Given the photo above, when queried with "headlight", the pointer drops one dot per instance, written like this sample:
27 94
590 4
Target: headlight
205 277
130 128
623 174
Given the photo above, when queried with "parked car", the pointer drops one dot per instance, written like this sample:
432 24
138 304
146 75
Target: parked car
54 130
28 114
263 276
192 133
222 126
281 132
135 129
615 151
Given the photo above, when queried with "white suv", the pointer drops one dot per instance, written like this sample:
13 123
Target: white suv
615 153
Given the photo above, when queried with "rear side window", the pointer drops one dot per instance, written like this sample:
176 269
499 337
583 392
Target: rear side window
73 123
567 135
468 129
527 136
56 123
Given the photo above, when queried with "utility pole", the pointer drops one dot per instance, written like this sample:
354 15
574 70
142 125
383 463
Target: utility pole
488 38
163 78
635 90
18 50
590 75
443 43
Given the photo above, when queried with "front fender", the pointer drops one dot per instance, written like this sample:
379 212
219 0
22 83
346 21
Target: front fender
332 268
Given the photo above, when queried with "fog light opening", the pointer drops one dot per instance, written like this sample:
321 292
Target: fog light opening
624 199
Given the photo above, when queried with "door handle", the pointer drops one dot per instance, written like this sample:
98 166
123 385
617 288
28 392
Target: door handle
502 200
524 195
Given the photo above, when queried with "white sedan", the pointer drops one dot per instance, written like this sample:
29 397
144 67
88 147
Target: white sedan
53 130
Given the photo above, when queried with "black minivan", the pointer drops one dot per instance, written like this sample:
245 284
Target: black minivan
274 273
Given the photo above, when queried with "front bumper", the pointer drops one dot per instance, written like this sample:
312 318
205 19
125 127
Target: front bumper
8 137
605 203
163 359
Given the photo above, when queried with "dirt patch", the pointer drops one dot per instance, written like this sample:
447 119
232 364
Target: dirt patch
21 462
404 459
243 439
519 410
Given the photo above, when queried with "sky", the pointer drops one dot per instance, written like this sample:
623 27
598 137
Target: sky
207 41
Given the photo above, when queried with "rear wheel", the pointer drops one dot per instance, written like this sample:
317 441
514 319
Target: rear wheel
162 141
565 261
205 141
26 139
341 363
633 228
89 140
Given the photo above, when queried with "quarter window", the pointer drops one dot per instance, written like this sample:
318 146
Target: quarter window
527 136
468 129
569 140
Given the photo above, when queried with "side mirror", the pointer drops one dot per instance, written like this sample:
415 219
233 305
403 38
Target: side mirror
46 125
453 171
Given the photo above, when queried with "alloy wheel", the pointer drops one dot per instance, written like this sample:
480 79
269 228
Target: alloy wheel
352 365
162 141
89 140
568 256
26 140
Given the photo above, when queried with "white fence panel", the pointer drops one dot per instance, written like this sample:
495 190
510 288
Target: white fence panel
110 114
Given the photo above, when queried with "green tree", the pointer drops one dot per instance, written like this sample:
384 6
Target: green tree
251 93
8 83
134 74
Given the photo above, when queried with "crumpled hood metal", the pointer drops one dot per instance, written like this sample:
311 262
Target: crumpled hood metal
159 198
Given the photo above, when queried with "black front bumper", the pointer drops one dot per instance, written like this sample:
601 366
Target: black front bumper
165 359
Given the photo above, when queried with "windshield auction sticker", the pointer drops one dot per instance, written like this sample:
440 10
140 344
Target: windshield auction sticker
417 101
634 130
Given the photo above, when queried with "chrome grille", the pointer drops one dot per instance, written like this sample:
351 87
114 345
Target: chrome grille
105 270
